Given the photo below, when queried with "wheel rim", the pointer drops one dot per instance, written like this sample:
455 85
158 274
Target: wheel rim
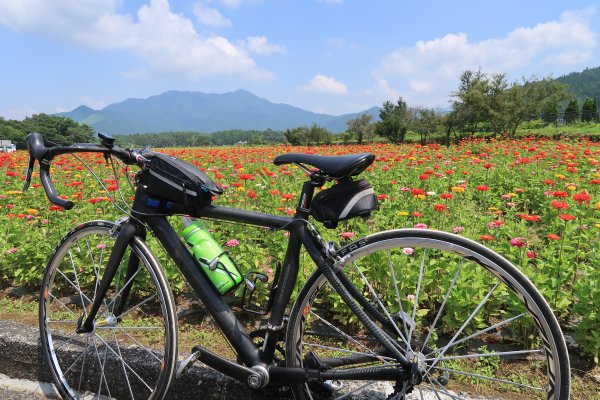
129 353
481 353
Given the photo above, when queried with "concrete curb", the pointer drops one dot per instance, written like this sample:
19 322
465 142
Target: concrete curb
21 358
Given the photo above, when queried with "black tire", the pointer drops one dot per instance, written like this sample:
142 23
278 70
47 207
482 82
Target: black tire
131 355
458 307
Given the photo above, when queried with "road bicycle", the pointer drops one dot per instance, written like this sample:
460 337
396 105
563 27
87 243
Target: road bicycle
109 329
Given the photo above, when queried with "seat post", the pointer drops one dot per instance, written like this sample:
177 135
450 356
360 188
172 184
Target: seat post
306 196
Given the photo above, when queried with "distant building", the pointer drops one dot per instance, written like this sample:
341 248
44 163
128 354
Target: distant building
7 146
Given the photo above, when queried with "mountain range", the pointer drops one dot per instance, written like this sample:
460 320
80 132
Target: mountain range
204 112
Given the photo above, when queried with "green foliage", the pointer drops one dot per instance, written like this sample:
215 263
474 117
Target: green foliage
589 111
584 84
395 121
361 127
305 136
572 112
194 139
56 129
490 102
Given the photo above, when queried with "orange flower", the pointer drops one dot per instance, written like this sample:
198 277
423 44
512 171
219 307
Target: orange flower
530 218
566 217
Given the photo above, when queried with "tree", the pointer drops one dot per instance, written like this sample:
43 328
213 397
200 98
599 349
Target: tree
550 113
297 136
572 112
361 127
589 110
467 110
58 129
528 99
426 121
317 135
395 121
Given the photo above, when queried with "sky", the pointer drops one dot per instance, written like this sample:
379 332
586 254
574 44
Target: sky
327 56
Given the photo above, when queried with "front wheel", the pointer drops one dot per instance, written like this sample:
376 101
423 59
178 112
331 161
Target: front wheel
476 326
131 352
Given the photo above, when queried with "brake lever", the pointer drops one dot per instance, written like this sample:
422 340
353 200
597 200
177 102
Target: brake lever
29 173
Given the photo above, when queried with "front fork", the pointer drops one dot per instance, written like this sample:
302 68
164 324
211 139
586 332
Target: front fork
126 229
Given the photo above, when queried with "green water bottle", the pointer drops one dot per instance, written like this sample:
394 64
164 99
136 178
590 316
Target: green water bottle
216 264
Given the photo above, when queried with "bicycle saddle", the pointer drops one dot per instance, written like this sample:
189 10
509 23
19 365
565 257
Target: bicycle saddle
336 167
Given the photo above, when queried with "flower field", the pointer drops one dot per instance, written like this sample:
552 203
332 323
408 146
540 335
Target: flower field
537 202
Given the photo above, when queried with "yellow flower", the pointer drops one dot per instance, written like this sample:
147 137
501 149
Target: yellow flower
493 208
421 196
241 169
32 211
571 187
597 206
458 189
597 225
403 213
241 189
560 176
14 192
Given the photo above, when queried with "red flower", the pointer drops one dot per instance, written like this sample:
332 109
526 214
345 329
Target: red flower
112 188
439 207
518 242
55 208
531 254
561 194
251 194
559 205
530 218
566 217
552 236
583 197
417 191
447 196
482 188
486 238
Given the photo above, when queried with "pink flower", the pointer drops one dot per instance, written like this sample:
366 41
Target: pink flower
408 251
531 254
518 242
421 226
458 229
232 243
10 251
101 246
347 235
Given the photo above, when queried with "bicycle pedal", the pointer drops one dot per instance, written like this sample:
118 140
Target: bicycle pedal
186 363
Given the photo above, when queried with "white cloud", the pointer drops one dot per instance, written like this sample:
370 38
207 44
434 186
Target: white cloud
164 40
210 16
260 45
326 85
431 68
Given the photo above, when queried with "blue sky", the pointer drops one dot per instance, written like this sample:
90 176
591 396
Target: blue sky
331 56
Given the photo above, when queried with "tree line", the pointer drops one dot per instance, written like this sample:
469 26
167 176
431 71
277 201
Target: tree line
482 103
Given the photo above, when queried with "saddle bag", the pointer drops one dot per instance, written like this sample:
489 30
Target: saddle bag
175 180
344 200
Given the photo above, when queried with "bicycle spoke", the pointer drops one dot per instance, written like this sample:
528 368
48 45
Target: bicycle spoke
138 343
416 301
81 372
355 390
63 305
78 287
498 354
402 314
479 333
123 366
128 366
376 297
439 313
490 378
116 296
347 336
358 353
464 325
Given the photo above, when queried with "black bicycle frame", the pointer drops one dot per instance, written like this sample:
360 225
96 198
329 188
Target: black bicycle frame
144 211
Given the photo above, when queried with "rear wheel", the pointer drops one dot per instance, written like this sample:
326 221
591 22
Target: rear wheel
475 324
132 351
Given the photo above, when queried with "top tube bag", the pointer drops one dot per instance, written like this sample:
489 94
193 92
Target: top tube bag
177 181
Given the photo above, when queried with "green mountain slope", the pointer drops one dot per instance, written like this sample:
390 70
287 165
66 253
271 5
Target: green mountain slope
202 112
585 83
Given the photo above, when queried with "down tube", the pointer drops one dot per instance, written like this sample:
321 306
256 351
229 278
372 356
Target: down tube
222 314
